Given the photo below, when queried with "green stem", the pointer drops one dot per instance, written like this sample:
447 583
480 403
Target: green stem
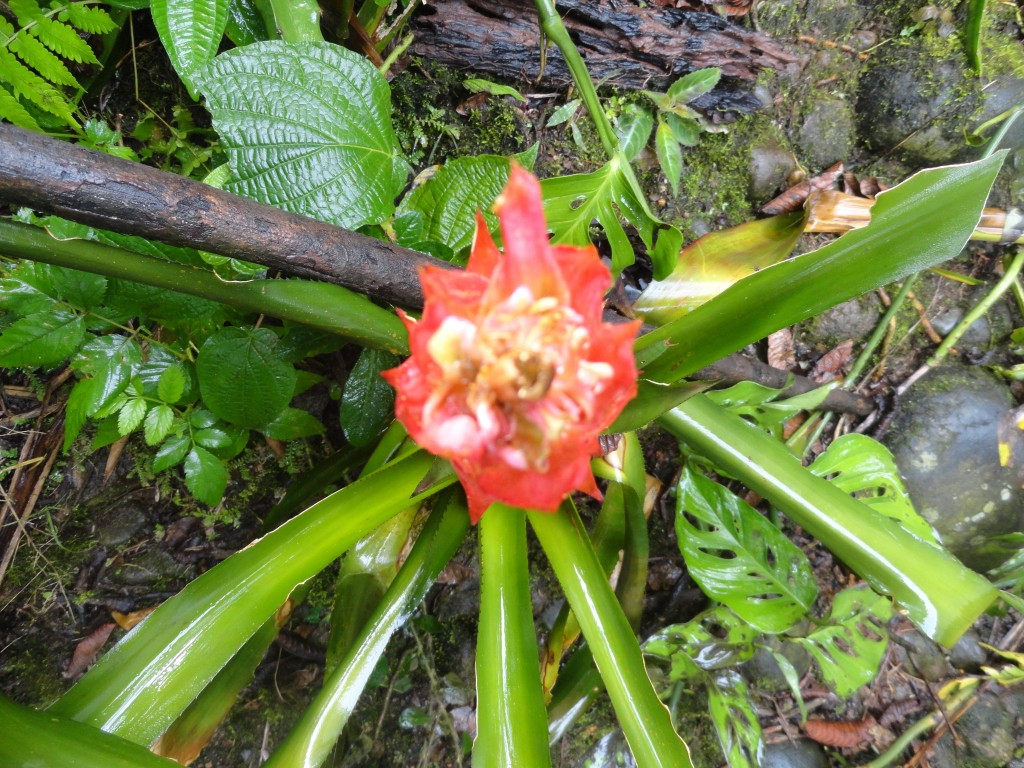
325 306
979 310
511 722
940 595
880 330
644 719
296 21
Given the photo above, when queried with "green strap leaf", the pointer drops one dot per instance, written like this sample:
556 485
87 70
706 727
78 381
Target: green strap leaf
191 31
307 127
141 686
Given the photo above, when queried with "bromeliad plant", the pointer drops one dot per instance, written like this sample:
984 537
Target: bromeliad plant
512 376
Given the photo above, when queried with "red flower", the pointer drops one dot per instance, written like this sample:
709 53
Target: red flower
513 374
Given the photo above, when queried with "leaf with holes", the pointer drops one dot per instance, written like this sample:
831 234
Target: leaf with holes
573 203
865 469
732 712
242 378
715 640
739 558
307 127
850 647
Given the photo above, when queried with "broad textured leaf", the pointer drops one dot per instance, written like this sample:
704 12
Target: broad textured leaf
449 201
367 404
634 128
157 423
715 640
241 377
695 84
292 424
205 475
715 261
171 452
850 647
42 338
865 468
670 157
573 203
923 221
737 723
739 558
307 127
191 31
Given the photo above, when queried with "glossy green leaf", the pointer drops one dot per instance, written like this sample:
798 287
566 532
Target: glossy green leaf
307 128
865 468
141 686
714 640
670 157
131 414
644 719
652 400
972 33
312 739
634 128
109 362
293 423
171 384
35 739
205 475
245 24
564 113
686 130
735 719
739 557
573 203
191 31
511 723
45 337
450 199
82 289
242 379
760 404
171 452
367 403
688 88
157 423
938 593
714 262
923 221
849 648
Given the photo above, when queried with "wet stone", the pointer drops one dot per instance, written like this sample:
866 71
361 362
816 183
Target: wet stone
154 567
794 754
119 522
944 440
826 133
985 734
762 670
967 653
770 166
921 656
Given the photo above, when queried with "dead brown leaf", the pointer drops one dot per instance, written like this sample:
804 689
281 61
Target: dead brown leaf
832 364
86 652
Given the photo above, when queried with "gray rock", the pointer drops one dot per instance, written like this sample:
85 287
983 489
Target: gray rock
826 133
762 671
119 522
967 653
154 567
986 737
770 166
911 100
854 319
794 754
944 440
921 656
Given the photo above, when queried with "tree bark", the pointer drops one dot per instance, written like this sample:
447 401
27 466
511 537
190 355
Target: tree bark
93 188
622 44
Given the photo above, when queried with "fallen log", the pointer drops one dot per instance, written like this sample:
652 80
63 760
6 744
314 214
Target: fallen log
129 198
622 44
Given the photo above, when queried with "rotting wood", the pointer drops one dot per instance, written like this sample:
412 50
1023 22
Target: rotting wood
622 44
93 188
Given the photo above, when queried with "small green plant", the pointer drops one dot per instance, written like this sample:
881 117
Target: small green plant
678 124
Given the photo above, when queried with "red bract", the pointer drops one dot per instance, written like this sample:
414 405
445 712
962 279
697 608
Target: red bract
513 374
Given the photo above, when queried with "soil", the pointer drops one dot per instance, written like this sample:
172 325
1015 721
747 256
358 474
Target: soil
107 535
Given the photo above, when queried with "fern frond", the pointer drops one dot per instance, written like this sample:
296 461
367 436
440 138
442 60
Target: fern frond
11 110
88 18
35 89
63 39
27 11
36 55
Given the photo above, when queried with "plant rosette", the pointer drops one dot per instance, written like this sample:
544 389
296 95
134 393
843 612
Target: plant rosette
513 374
